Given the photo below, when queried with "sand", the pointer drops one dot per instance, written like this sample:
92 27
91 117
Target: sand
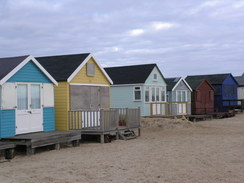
170 151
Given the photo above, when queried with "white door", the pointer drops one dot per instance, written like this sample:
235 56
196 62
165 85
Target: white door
181 108
156 109
29 113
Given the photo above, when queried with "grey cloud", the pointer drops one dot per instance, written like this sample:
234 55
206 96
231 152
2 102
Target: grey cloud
208 37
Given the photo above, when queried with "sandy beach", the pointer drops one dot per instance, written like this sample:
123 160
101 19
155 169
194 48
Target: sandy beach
168 151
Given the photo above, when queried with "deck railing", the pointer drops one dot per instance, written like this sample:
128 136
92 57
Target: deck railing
170 108
104 119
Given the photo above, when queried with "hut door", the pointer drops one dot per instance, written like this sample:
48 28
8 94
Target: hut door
29 114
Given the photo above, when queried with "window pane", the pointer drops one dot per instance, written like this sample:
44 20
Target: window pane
22 97
155 76
147 94
178 96
183 96
163 95
157 94
153 94
137 95
35 97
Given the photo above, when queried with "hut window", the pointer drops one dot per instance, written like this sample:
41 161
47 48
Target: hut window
35 97
22 96
181 96
162 95
147 94
90 70
153 95
137 93
157 94
155 77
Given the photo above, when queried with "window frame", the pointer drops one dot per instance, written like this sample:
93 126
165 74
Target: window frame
134 93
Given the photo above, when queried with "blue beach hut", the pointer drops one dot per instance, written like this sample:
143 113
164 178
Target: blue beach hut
141 86
26 97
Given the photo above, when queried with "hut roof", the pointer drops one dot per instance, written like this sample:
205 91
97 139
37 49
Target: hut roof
8 64
62 66
133 74
240 80
171 82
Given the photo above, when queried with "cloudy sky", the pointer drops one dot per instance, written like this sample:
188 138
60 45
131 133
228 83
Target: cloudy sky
184 37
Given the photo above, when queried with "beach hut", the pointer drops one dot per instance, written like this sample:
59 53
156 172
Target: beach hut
240 90
138 86
202 96
225 88
82 85
26 97
178 96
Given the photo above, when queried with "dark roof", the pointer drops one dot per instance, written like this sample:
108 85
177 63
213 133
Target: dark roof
8 64
212 78
194 82
240 80
130 74
62 66
171 82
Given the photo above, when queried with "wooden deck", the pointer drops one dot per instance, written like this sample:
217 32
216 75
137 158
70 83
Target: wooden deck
105 121
196 118
8 149
40 139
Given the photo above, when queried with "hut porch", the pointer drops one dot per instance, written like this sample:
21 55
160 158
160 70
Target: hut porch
40 139
103 122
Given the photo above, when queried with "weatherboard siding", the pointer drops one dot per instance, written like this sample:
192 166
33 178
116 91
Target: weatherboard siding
229 81
240 92
7 123
123 97
29 73
61 100
82 78
49 119
151 81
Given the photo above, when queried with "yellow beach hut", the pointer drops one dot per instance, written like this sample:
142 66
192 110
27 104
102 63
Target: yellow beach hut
82 84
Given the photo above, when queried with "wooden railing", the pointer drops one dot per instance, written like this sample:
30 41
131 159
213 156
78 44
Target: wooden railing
104 119
169 108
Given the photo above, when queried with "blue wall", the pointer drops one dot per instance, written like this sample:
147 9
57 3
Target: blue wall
7 123
49 119
29 73
226 91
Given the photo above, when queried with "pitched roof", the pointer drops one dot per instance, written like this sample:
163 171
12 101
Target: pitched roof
240 80
171 82
134 74
62 66
8 64
194 82
212 78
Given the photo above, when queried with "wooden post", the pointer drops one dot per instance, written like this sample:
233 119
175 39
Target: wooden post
102 120
57 146
75 143
102 138
9 153
29 150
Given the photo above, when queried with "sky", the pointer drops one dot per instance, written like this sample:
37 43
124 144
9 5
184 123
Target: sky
183 37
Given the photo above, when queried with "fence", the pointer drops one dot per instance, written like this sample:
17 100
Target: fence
170 108
104 119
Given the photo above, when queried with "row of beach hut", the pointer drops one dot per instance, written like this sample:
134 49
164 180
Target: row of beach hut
38 93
